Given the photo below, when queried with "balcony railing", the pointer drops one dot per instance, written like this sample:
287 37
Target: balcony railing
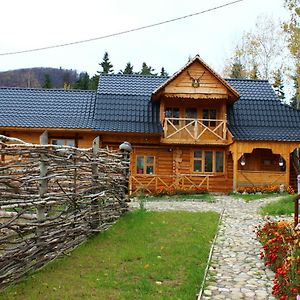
195 130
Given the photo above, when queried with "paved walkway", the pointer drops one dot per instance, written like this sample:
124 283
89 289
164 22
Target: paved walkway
235 272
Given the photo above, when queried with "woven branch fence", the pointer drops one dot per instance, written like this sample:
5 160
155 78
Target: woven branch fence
52 198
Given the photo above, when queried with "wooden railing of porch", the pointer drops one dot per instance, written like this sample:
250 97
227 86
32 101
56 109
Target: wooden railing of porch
256 178
194 129
156 183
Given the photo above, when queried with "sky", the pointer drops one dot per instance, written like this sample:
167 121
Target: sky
213 35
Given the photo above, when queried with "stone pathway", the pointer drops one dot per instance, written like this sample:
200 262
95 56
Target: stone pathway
235 272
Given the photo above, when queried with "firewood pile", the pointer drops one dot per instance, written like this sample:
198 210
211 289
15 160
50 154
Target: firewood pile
52 198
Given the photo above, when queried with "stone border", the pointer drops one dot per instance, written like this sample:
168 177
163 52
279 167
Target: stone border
199 295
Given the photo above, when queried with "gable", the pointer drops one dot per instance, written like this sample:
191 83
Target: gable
198 81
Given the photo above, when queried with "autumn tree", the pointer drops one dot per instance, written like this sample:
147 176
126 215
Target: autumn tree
260 51
292 28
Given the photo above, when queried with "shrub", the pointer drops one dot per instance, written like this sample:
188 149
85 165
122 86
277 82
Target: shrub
281 244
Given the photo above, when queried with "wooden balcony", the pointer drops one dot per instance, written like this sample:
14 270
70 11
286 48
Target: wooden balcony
194 131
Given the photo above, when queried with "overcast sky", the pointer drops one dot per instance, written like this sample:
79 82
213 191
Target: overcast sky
34 23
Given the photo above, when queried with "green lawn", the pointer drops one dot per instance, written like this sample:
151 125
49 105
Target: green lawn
284 206
205 197
250 197
146 255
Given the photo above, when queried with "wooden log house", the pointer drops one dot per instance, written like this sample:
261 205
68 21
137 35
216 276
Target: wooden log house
193 130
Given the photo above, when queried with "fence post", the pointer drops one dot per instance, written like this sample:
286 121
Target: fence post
126 148
95 216
43 182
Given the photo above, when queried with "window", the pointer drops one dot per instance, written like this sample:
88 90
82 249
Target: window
190 113
209 116
172 112
208 161
198 161
220 161
63 142
145 165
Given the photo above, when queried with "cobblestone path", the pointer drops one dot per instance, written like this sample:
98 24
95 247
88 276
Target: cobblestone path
235 272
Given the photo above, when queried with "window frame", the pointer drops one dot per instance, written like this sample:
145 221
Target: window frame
146 164
203 161
64 140
209 121
172 109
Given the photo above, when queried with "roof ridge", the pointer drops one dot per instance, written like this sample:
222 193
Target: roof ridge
44 89
134 75
246 79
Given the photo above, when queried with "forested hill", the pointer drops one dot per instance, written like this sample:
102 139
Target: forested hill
38 77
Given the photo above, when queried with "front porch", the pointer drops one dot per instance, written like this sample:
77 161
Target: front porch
262 164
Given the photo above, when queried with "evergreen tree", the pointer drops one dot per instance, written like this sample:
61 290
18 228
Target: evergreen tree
147 70
237 69
107 67
128 69
278 84
295 100
47 82
83 82
94 82
254 73
163 72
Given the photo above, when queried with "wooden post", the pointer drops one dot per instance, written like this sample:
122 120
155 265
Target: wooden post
43 182
95 147
95 204
296 212
235 169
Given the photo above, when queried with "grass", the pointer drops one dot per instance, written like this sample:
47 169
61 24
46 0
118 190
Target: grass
201 197
250 197
146 255
284 206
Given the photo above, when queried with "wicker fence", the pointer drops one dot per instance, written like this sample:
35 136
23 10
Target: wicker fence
52 198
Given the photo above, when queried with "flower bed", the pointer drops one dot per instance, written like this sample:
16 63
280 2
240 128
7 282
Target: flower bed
265 189
281 244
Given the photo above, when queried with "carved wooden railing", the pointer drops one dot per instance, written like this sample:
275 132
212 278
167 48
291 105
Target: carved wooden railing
157 183
256 178
195 129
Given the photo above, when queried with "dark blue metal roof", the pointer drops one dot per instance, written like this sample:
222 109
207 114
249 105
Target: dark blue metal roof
123 104
260 115
46 108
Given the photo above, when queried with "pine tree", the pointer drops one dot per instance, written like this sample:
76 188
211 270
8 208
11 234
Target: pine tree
278 84
237 69
163 72
107 67
83 82
47 82
254 72
94 82
128 69
147 70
